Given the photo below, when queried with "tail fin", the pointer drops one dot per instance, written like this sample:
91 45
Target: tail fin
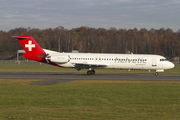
31 47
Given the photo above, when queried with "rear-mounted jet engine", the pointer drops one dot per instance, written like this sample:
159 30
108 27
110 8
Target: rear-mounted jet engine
58 59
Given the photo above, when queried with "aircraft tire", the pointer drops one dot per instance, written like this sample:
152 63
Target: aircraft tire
93 72
156 73
89 72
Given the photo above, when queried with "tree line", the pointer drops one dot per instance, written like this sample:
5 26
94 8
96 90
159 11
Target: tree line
85 39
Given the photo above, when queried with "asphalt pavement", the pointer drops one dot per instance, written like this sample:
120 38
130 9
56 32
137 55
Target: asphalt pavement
53 78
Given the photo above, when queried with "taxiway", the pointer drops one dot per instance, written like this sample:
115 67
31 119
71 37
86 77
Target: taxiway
65 77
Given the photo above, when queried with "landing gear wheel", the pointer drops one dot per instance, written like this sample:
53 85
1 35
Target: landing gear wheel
90 72
156 74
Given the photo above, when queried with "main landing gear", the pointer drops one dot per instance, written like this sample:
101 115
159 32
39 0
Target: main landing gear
90 72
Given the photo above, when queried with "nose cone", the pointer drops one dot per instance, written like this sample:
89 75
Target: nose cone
173 65
168 65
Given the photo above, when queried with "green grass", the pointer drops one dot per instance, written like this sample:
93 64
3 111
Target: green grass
37 67
85 99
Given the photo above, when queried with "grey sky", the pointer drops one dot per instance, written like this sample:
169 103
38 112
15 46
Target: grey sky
70 14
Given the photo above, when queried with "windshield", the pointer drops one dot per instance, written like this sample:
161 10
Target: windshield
163 60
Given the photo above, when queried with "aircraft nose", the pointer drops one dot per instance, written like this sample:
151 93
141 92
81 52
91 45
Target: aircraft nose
170 65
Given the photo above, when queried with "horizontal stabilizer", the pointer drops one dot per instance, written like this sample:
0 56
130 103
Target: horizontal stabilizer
19 37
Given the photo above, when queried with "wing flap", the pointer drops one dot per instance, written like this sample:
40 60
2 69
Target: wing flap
80 66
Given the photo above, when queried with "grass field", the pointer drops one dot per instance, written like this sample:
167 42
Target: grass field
37 67
85 99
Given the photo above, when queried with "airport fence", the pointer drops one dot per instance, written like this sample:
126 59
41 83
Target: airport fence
18 62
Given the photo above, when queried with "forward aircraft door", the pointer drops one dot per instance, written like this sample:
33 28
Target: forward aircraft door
154 62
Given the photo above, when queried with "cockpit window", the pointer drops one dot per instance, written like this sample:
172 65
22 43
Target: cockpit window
163 60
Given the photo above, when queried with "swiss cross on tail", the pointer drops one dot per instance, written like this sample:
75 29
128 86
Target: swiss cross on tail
30 45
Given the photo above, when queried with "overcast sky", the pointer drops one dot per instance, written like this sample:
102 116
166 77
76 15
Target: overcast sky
70 14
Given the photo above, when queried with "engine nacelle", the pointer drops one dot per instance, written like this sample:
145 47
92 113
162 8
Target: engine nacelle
59 59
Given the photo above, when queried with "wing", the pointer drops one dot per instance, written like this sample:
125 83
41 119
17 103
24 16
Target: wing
79 66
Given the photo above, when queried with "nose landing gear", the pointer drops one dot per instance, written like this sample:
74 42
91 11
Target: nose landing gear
156 74
158 71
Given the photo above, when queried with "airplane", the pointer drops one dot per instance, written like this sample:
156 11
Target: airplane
92 61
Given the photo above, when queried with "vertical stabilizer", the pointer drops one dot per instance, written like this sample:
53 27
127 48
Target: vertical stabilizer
31 47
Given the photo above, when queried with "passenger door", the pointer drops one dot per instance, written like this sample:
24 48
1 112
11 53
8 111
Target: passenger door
154 62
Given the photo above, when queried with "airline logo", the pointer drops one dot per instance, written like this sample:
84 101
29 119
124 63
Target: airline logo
30 45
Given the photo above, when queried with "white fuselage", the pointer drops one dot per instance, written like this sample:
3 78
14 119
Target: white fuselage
115 61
